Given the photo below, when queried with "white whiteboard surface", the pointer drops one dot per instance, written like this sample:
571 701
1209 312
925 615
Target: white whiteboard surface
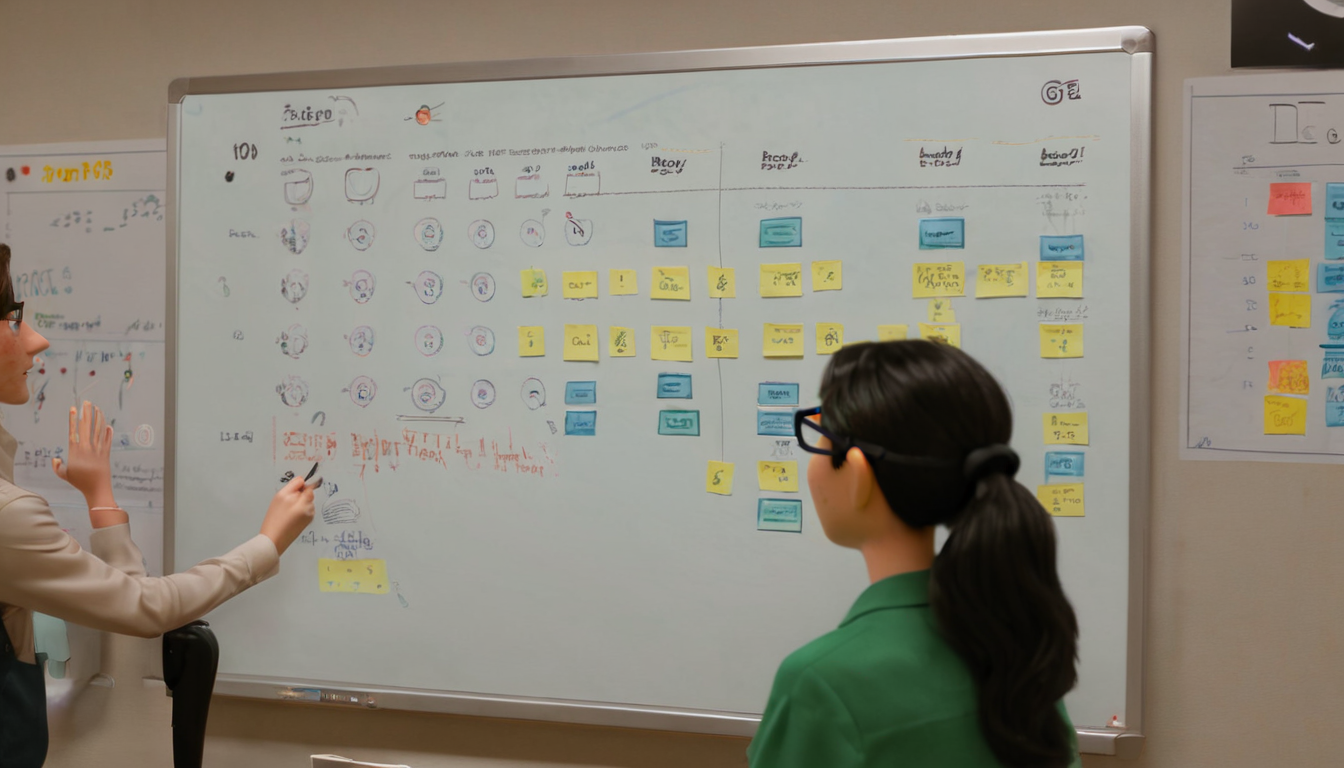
534 573
1244 134
86 222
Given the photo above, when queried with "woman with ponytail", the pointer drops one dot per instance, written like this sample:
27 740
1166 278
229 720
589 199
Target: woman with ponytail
959 659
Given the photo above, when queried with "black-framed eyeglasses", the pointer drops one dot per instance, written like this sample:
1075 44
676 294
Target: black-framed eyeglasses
807 430
14 314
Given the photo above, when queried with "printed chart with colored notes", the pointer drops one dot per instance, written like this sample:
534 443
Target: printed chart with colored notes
1264 305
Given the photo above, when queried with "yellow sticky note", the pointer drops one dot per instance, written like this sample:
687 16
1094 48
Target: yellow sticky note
783 340
721 342
365 577
1285 415
671 342
1065 428
826 276
1060 340
579 285
940 311
622 282
620 341
671 283
945 279
993 281
893 332
719 478
1059 279
1291 275
1063 500
722 283
781 280
946 333
780 476
830 338
581 343
531 341
534 283
1290 309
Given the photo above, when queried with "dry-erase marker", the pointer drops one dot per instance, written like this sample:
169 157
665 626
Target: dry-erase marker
311 472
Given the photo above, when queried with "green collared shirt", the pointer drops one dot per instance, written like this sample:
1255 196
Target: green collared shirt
884 689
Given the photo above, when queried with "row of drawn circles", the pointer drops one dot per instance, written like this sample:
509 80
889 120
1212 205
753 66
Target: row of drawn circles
428 286
428 339
427 394
428 233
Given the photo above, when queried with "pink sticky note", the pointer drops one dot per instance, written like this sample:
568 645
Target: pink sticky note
1290 199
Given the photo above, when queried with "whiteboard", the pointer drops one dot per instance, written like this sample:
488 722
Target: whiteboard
1259 384
86 222
537 532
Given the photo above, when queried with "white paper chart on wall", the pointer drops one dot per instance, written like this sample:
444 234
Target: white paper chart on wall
1264 270
86 223
546 337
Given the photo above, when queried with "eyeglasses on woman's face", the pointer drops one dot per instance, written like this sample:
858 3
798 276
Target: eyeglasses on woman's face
808 429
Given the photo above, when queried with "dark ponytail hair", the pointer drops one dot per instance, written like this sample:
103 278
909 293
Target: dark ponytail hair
994 590
6 284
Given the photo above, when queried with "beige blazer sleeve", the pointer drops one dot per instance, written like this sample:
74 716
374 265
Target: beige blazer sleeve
43 569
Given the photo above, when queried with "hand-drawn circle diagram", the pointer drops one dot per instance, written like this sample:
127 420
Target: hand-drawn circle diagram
361 340
144 436
481 340
361 286
533 393
298 185
427 395
428 287
360 234
362 391
429 340
483 286
294 286
294 236
293 341
533 233
482 394
429 234
482 233
293 391
577 231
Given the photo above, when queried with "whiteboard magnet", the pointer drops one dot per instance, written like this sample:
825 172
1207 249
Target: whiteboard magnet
1115 722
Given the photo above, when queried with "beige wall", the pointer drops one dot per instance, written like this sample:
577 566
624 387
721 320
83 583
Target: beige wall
1246 608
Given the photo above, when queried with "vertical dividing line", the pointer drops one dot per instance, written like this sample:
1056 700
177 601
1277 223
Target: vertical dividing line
718 361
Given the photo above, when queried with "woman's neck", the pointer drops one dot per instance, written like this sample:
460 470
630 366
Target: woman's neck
899 550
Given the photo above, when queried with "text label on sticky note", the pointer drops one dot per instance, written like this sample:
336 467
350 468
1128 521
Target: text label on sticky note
620 341
779 515
719 478
1290 309
1285 415
1288 275
580 392
777 476
1059 280
671 283
672 422
671 342
781 280
942 233
675 386
721 342
945 279
830 338
995 281
1061 340
774 423
722 283
579 285
534 283
827 276
365 577
1061 247
783 340
1062 500
1065 428
777 393
1064 464
581 343
1290 199
581 423
943 333
786 232
531 341
622 282
940 311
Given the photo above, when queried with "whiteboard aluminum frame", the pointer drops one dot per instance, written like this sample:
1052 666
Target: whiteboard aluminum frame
1139 42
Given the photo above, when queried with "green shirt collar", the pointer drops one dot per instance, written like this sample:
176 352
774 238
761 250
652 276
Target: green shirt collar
904 590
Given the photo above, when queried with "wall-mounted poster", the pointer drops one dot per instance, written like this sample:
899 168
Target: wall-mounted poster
1288 33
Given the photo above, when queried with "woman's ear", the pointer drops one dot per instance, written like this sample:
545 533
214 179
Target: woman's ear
862 484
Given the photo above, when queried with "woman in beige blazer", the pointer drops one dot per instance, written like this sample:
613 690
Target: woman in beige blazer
43 569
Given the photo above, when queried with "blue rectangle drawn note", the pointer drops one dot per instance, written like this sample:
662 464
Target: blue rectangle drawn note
582 423
1061 247
1334 201
782 233
774 423
1333 367
1334 239
777 393
1330 278
669 234
942 233
779 515
580 392
1063 464
674 385
679 423
1334 406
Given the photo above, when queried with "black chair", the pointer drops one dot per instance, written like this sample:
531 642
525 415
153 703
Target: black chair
190 659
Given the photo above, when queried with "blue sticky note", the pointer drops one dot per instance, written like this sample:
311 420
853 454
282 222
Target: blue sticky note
774 423
942 233
1330 278
1333 367
777 393
782 233
1334 201
669 234
1061 247
1335 328
582 423
1063 464
580 392
679 423
1334 239
674 386
1334 406
779 515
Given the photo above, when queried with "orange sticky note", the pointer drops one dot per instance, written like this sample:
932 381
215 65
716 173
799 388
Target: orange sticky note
1289 377
1290 198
